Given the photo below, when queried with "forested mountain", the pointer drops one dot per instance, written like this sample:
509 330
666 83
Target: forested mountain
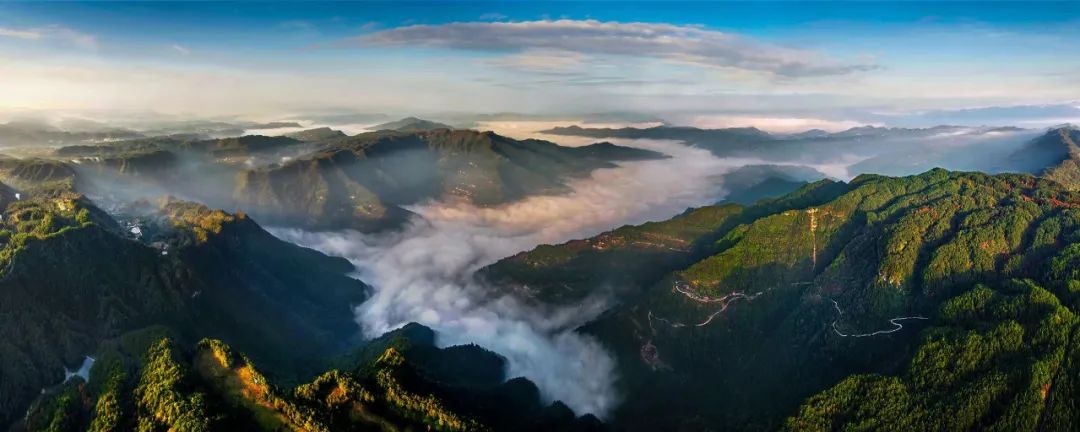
72 278
136 288
939 301
317 134
362 182
1054 155
959 285
147 380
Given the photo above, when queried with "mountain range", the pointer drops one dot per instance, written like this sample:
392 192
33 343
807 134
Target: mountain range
916 299
140 290
362 182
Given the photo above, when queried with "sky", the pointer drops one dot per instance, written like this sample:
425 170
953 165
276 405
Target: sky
776 65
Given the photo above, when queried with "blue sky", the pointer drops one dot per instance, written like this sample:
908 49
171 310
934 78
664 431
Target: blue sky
838 63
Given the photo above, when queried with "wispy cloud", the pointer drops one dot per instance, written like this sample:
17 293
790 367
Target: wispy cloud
542 60
180 49
20 34
51 33
690 44
493 16
371 26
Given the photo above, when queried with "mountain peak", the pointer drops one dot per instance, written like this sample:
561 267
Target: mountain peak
317 134
411 124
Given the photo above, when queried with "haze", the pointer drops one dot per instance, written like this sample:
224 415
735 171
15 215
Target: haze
821 65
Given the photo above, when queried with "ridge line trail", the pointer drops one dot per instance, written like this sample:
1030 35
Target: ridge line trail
893 321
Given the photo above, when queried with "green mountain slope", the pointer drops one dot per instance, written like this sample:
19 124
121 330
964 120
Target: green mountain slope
995 359
147 381
72 278
1055 155
789 298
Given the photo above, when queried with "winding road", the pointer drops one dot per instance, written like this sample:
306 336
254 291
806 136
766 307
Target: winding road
893 321
725 301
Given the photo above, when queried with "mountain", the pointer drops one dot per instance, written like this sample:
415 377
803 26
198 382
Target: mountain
205 129
1055 155
410 124
751 183
896 151
812 133
361 182
150 381
73 278
358 182
17 134
30 173
940 301
733 136
130 293
224 150
317 134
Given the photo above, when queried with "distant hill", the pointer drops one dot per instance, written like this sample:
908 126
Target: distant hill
751 183
243 146
1055 155
361 182
317 134
411 124
358 182
747 134
18 134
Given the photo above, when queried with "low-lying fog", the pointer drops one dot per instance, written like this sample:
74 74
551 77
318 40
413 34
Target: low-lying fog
424 273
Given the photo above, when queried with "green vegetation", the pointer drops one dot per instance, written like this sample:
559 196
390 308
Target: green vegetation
1067 171
567 273
741 332
164 398
995 360
71 282
36 174
1055 155
215 387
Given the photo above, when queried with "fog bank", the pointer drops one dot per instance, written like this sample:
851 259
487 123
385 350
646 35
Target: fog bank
425 273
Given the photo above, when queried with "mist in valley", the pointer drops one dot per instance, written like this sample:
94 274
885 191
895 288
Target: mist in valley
424 272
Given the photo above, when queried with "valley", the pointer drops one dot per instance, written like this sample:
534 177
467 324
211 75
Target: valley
587 286
524 216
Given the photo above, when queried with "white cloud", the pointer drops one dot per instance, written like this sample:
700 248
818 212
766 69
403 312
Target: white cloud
542 60
690 44
51 33
180 49
20 34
